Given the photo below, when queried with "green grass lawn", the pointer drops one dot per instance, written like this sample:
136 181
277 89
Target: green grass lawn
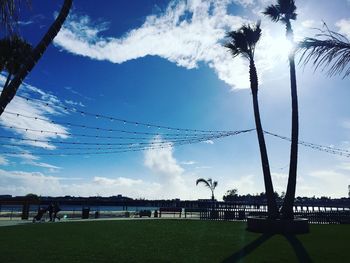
168 241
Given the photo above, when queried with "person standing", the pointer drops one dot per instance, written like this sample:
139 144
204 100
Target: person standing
50 209
56 209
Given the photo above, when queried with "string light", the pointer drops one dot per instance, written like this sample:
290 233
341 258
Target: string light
328 149
154 147
104 129
110 118
100 136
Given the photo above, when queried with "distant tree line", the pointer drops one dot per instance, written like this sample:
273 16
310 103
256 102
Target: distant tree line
233 196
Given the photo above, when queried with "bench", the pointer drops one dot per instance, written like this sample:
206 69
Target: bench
145 213
170 210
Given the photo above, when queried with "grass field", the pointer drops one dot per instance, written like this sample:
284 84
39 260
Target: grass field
168 241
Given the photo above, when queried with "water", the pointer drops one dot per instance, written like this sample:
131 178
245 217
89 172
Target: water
34 208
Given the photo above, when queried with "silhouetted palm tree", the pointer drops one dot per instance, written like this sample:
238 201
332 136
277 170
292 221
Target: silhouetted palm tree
13 53
284 11
327 49
210 184
242 42
9 92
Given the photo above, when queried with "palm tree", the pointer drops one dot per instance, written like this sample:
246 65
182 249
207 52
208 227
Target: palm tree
13 53
10 90
242 42
210 184
284 11
327 48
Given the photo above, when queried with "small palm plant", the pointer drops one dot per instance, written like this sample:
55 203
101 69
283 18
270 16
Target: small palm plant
285 11
210 184
327 49
242 42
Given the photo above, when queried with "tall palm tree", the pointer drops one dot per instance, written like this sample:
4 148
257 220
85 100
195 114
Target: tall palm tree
9 92
13 53
327 49
242 42
285 11
210 184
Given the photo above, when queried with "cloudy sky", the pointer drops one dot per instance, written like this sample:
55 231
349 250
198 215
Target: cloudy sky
155 73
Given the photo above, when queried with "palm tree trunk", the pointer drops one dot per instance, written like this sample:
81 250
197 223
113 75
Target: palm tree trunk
10 91
271 200
212 199
288 203
9 76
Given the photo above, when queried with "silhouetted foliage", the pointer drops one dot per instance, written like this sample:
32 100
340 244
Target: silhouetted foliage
210 184
13 54
328 49
283 11
9 14
231 195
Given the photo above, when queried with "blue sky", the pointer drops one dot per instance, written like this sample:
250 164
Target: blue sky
162 62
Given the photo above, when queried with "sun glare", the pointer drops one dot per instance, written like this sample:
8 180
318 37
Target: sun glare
280 47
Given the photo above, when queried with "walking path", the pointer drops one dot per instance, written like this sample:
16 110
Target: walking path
23 222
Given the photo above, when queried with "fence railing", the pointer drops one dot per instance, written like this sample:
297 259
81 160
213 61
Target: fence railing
224 211
318 217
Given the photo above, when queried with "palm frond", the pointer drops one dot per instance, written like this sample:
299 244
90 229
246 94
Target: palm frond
202 180
288 8
274 12
9 14
327 49
13 52
233 49
284 10
215 184
243 41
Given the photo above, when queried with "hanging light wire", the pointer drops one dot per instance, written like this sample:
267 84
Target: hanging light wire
112 118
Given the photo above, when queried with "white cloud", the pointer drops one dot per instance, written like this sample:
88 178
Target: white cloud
309 23
279 182
244 3
344 166
25 104
248 184
344 27
186 33
162 161
3 161
209 142
25 23
50 167
171 36
22 183
173 180
33 108
120 181
188 162
74 103
204 167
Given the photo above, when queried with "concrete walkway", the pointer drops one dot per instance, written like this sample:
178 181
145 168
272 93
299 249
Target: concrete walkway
23 222
14 222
